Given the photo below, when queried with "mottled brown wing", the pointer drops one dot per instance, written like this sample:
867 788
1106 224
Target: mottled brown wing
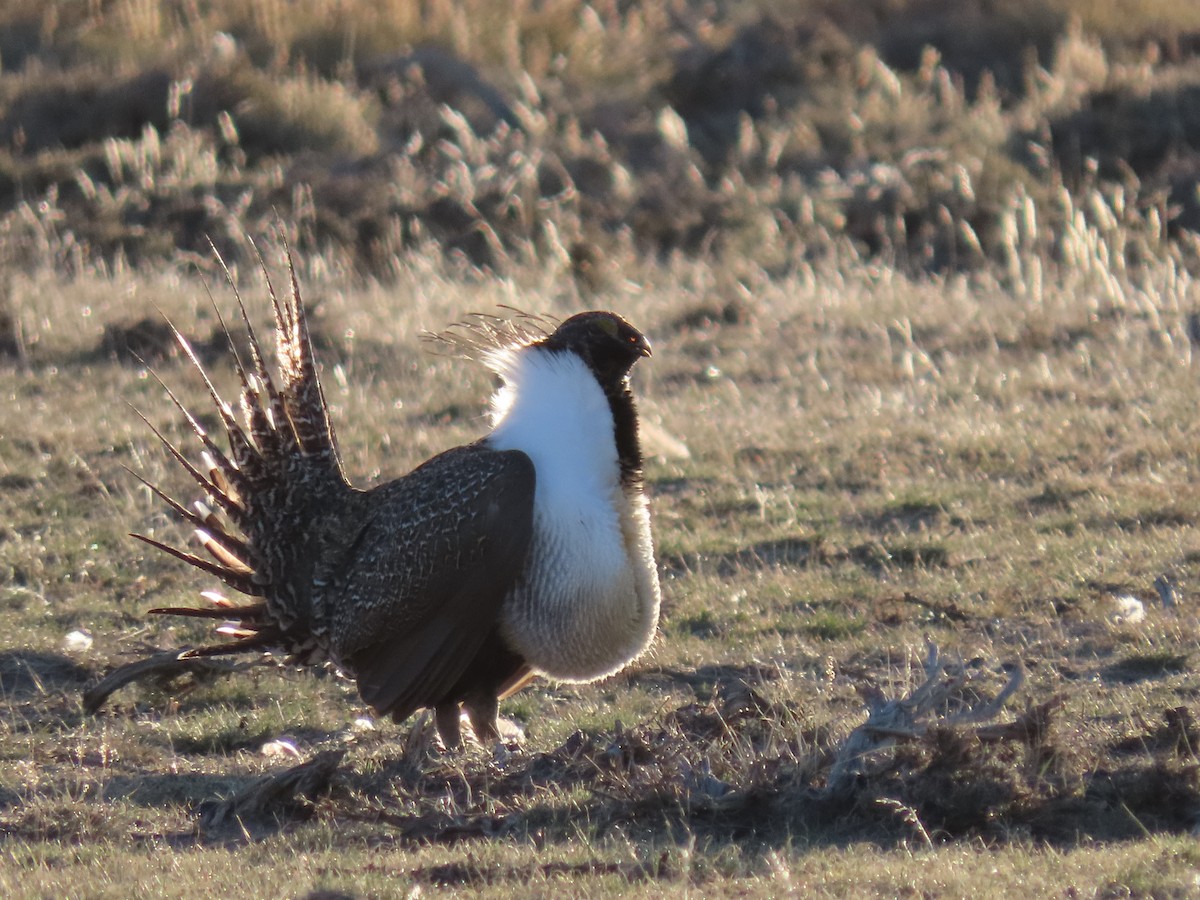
441 550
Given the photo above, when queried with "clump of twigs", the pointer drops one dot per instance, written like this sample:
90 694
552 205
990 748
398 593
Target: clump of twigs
272 798
921 716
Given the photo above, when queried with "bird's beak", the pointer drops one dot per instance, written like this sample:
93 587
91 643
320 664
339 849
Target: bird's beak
643 345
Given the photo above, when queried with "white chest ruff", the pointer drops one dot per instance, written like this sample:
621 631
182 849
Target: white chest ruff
589 601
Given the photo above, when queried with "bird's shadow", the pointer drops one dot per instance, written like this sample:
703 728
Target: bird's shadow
26 673
229 810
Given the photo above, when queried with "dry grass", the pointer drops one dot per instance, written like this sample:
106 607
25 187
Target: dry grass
568 131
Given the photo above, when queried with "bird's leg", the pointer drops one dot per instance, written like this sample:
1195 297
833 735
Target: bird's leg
448 725
483 713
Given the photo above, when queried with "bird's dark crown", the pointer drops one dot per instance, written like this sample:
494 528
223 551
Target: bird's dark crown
603 340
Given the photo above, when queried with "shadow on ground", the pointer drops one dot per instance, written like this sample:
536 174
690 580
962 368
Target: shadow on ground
29 673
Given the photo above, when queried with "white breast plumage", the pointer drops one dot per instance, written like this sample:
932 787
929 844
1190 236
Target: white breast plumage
589 600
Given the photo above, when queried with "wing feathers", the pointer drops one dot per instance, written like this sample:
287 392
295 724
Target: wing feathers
420 651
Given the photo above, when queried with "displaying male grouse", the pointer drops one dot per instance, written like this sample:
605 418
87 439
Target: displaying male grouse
527 552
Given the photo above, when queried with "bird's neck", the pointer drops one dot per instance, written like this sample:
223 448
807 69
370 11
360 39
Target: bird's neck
552 407
625 425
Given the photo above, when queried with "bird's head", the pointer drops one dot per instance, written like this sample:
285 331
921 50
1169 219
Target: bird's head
603 340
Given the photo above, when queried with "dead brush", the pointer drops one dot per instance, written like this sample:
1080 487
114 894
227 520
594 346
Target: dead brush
718 763
920 717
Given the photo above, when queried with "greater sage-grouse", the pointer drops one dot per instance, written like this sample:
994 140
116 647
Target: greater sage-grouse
525 553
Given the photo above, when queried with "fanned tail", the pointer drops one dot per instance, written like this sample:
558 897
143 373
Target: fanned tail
250 626
278 474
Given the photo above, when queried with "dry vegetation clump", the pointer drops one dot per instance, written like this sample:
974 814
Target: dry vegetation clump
569 132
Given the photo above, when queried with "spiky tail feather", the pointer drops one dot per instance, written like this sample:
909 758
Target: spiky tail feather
284 425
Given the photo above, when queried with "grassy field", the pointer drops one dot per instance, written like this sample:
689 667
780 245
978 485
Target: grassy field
852 466
923 379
